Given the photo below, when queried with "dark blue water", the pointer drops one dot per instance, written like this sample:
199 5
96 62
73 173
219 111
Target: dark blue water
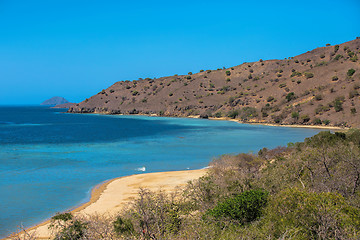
50 160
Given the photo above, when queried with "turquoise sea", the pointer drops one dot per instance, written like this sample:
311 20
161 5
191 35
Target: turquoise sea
50 160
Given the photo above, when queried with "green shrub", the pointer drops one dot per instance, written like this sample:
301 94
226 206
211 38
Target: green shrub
338 104
309 75
233 114
336 48
248 112
312 215
337 57
290 96
317 121
318 97
353 93
228 73
335 78
66 227
244 207
305 118
218 115
354 58
296 74
326 122
295 115
134 93
123 226
270 99
350 72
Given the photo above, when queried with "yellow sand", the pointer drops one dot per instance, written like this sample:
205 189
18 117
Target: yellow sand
111 196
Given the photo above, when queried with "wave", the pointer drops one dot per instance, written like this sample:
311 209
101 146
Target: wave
141 169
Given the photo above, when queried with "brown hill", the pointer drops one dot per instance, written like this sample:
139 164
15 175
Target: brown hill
318 87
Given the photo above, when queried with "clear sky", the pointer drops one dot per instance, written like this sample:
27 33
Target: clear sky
74 49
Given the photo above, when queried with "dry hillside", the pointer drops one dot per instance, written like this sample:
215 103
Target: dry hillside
318 87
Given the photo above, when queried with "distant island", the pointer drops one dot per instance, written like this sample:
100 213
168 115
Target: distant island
57 102
54 101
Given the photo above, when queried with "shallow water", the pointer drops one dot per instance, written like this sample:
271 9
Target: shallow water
50 160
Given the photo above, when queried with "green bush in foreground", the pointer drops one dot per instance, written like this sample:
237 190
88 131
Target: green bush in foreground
244 207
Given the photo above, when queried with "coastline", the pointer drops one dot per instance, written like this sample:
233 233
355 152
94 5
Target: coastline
229 119
109 197
99 189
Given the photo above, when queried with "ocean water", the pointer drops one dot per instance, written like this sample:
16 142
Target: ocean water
50 160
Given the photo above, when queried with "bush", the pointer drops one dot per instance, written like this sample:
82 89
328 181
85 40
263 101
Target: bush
337 57
335 78
248 112
326 122
233 114
134 93
353 110
338 104
123 226
305 118
228 73
353 93
350 72
290 96
66 227
218 115
244 207
309 75
295 115
318 97
312 215
317 121
270 99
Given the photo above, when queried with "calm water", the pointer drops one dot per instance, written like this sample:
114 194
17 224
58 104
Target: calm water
50 160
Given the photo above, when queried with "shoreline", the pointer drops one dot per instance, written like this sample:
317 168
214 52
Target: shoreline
110 196
229 119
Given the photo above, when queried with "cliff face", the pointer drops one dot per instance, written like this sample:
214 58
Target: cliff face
318 87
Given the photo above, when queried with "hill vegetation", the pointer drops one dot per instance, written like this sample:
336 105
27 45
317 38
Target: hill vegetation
319 87
307 190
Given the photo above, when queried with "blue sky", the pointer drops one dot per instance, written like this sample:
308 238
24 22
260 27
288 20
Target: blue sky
77 48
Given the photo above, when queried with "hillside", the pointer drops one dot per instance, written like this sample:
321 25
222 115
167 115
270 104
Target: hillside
54 101
64 105
318 87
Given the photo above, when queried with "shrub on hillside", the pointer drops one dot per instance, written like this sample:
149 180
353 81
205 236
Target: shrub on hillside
350 72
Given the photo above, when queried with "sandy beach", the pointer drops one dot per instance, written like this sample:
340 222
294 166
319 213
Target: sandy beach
111 196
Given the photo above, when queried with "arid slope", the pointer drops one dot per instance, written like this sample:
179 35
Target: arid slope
315 88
